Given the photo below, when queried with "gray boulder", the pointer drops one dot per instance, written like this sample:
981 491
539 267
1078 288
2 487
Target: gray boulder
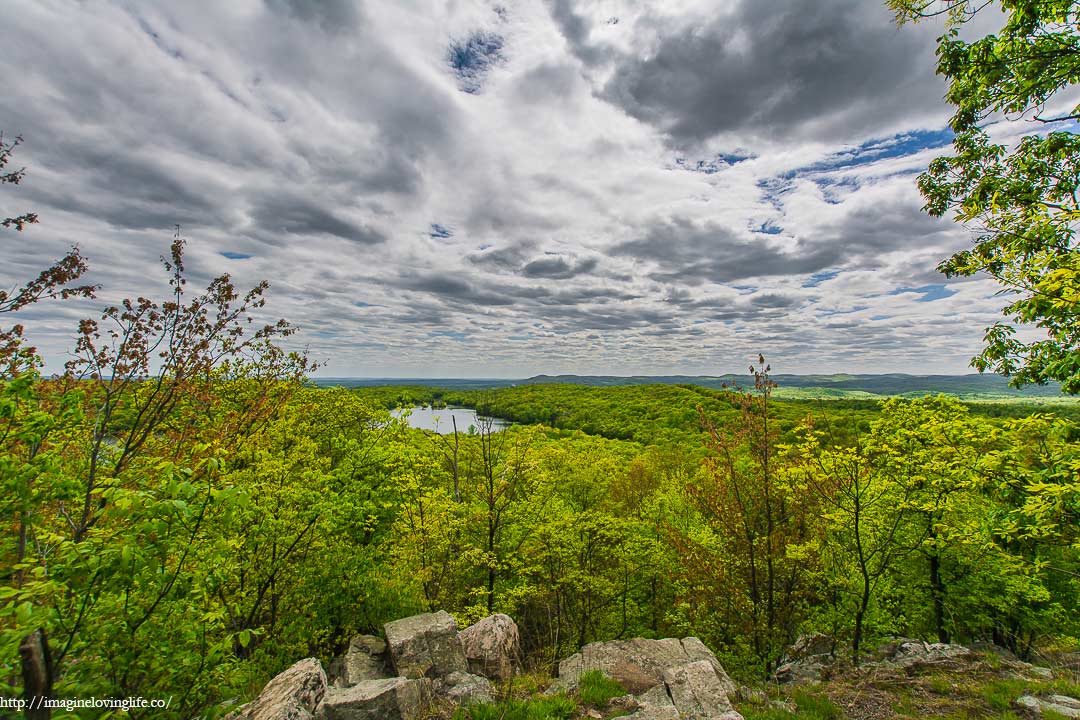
1060 705
425 645
697 693
917 653
807 661
364 660
653 704
466 689
696 650
806 671
638 664
655 712
671 679
293 694
492 646
387 699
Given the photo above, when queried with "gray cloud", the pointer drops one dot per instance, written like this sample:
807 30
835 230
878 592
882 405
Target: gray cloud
689 252
557 268
576 30
453 288
822 69
330 15
507 259
298 215
685 251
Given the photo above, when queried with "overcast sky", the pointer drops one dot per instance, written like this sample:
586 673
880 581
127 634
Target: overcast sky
464 188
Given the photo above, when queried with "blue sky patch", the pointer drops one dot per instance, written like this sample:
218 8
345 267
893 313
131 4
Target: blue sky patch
929 292
833 190
471 58
715 165
440 231
773 189
820 277
234 255
769 228
872 151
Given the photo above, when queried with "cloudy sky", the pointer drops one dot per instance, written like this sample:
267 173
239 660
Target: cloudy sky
502 188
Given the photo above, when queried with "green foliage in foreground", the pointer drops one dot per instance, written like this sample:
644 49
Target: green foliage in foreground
597 689
809 706
557 707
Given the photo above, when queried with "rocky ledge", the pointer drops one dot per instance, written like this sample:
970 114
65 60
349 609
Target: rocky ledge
425 660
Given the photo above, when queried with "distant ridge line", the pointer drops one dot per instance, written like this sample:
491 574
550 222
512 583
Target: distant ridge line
879 384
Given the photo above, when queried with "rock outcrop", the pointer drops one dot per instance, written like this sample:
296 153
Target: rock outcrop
807 660
907 653
425 646
466 688
638 664
670 679
492 647
697 692
364 660
811 658
1060 705
292 695
386 699
422 659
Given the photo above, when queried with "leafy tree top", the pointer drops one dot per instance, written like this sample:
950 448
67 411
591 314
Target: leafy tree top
1022 200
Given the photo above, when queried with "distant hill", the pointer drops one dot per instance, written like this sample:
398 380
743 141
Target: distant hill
968 386
889 384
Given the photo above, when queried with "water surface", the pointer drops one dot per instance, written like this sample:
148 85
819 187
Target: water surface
441 420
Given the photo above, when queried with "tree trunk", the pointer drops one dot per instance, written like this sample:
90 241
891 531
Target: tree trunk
937 587
37 673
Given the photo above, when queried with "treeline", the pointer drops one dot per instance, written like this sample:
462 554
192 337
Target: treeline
647 414
659 414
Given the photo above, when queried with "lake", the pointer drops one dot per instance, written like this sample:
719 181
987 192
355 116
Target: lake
441 420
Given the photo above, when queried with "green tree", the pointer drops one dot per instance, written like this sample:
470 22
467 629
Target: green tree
1023 199
754 523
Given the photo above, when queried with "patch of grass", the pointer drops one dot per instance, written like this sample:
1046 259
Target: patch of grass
808 707
1051 715
816 707
596 689
941 685
556 707
762 712
1000 694
905 705
530 683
